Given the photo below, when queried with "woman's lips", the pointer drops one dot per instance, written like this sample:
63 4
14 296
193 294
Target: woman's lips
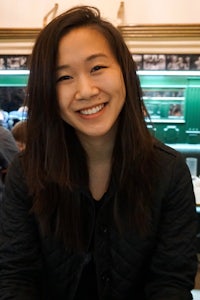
92 110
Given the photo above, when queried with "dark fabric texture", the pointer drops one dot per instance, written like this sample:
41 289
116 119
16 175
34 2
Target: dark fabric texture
87 287
161 266
8 150
8 147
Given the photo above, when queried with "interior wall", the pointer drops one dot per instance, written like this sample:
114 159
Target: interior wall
23 13
30 14
162 11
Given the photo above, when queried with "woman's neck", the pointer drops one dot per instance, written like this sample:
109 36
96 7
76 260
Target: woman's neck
98 148
99 152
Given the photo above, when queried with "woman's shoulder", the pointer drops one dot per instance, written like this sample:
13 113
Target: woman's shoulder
167 158
16 164
164 149
15 174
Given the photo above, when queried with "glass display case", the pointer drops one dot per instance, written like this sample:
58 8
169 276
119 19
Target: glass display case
12 94
165 104
172 99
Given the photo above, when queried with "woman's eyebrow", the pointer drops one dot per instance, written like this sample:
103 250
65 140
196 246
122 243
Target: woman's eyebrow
96 55
62 67
89 58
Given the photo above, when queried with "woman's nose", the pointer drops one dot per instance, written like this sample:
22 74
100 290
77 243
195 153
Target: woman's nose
85 88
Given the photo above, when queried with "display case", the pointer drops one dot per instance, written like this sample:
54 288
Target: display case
172 99
12 95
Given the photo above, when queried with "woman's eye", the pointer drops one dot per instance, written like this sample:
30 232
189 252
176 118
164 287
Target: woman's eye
65 77
97 68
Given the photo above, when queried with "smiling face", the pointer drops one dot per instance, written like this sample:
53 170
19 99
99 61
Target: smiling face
90 85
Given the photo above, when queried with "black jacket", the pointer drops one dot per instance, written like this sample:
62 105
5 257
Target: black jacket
161 266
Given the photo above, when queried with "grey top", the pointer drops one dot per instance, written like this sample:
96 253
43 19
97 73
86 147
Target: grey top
8 150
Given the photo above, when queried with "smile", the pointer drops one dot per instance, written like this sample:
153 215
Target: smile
93 110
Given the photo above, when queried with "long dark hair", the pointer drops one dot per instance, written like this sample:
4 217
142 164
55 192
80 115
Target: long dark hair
55 163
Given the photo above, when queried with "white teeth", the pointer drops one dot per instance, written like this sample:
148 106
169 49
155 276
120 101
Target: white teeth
92 110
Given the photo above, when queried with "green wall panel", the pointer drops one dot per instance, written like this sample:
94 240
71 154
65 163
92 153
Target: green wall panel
13 80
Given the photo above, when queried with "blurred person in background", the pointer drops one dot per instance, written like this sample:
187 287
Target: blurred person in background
8 150
19 133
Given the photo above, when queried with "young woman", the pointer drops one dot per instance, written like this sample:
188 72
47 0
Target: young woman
94 208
